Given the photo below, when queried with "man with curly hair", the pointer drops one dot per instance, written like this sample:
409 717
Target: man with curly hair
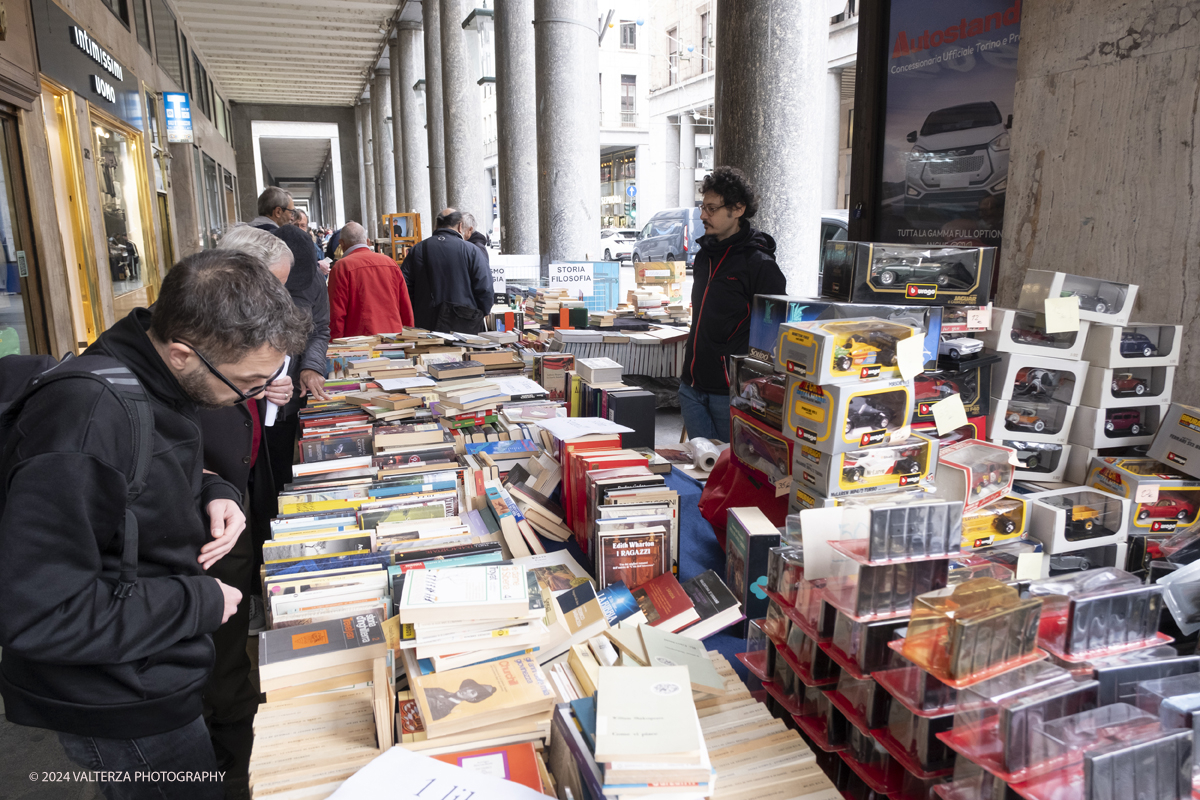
735 262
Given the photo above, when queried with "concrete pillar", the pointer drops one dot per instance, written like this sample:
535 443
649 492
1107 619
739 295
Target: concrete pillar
671 164
516 127
415 147
462 118
370 173
687 161
362 135
397 122
385 157
763 112
832 148
567 135
649 185
435 132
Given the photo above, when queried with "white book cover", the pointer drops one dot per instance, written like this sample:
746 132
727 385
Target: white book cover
491 587
646 714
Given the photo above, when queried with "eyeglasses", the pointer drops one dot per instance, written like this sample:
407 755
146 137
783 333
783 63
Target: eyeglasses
711 209
246 395
291 212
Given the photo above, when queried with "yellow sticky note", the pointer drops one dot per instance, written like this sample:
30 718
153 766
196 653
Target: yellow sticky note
1062 314
949 414
910 356
1029 566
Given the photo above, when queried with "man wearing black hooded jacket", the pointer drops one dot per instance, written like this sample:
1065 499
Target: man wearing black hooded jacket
735 263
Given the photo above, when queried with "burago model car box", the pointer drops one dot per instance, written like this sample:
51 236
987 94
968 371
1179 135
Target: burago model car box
1030 419
976 428
802 498
972 385
1073 518
837 418
1161 498
864 272
975 472
769 311
1000 521
841 351
1177 442
1024 332
1136 345
1099 300
1115 427
1122 387
757 389
759 448
1041 462
966 319
1045 380
911 462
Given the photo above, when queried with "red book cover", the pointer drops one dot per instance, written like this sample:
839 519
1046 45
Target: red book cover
665 603
584 463
566 448
514 762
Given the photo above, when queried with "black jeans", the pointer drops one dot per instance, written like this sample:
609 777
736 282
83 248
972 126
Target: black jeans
176 764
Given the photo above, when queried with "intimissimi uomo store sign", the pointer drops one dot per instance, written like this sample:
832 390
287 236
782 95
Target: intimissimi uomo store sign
68 53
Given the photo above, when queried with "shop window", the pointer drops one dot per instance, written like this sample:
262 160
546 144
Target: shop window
143 23
202 228
215 207
628 35
166 40
628 100
219 110
705 42
672 56
16 332
129 242
200 83
120 8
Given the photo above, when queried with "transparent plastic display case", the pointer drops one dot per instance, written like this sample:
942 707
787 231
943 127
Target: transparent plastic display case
853 349
1024 332
862 647
758 390
882 591
1135 345
917 690
821 721
902 527
1108 302
785 687
776 623
811 664
759 657
1174 702
1069 520
1097 613
973 782
872 762
1038 460
912 740
785 572
1149 766
1120 675
863 702
977 472
970 631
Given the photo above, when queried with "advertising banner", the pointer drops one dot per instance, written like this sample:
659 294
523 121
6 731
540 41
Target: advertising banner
951 76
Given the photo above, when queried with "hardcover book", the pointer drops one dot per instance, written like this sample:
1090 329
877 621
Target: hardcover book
749 539
716 605
665 604
635 556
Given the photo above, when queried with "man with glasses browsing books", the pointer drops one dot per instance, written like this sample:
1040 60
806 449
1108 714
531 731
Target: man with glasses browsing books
735 263
108 610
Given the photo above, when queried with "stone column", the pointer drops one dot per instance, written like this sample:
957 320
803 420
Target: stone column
763 112
397 122
831 153
567 134
671 165
415 148
434 130
362 132
687 160
516 127
370 173
463 119
385 157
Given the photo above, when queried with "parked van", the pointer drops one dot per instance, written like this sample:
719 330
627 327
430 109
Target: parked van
670 236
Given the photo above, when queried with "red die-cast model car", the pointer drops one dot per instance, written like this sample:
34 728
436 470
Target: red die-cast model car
1168 507
1125 383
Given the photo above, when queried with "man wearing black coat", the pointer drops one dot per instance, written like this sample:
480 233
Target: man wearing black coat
735 263
448 281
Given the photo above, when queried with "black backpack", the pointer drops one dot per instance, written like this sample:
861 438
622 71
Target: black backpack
21 376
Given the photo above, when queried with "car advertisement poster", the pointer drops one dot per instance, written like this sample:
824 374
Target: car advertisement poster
952 68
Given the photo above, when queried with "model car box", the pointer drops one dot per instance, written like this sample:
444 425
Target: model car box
1031 420
842 350
911 462
1099 300
975 472
1137 345
1160 498
1046 380
802 498
1039 461
837 418
1122 387
660 272
757 389
864 272
1087 557
760 449
1115 427
976 428
1024 332
769 311
1000 521
1074 518
972 385
1177 442
965 319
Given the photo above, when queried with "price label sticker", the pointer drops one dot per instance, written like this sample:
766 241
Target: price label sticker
949 414
979 319
1146 494
783 486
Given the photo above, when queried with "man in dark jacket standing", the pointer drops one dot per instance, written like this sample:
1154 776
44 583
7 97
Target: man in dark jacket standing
448 282
735 263
120 677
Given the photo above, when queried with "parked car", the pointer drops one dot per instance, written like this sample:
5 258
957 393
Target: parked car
1137 344
1123 419
960 153
618 243
1125 383
670 236
1168 508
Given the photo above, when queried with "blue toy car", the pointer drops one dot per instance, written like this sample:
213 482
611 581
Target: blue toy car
1137 344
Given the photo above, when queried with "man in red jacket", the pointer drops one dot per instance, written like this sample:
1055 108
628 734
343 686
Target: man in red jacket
367 293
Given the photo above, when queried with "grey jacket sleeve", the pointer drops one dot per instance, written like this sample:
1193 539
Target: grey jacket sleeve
481 282
318 341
